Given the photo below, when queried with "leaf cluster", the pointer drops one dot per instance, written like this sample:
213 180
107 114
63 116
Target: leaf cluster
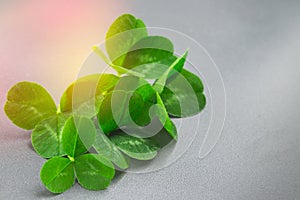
150 87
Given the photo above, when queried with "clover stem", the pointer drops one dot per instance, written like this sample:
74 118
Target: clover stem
58 111
100 53
120 70
71 158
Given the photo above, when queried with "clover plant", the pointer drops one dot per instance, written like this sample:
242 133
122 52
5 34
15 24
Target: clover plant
150 84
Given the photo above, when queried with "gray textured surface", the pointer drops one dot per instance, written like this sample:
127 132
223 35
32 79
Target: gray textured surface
256 46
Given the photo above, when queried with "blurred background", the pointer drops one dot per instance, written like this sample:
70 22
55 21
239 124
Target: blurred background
256 45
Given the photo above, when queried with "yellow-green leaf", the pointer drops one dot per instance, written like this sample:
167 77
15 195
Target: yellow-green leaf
27 104
124 32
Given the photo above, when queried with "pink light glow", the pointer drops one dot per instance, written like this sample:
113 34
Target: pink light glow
47 41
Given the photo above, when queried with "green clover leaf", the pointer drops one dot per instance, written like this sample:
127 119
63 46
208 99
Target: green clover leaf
93 172
46 137
57 174
78 135
134 147
124 32
27 104
183 95
109 150
84 96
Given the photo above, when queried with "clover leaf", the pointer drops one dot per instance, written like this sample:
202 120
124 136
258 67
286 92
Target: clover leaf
176 65
155 70
165 119
134 147
93 172
57 174
183 96
46 137
78 135
124 32
27 104
148 50
109 150
111 111
84 96
150 97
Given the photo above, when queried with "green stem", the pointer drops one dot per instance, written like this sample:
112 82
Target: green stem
119 69
58 111
71 158
100 53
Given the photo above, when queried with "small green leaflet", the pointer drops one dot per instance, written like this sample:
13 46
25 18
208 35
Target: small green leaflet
165 119
134 147
155 70
93 172
57 174
141 104
149 99
109 150
148 50
183 95
78 135
46 137
111 111
178 63
84 96
27 104
125 31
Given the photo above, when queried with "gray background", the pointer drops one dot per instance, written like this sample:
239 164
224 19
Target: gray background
256 46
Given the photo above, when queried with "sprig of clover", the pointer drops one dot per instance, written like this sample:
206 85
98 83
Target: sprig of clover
65 135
